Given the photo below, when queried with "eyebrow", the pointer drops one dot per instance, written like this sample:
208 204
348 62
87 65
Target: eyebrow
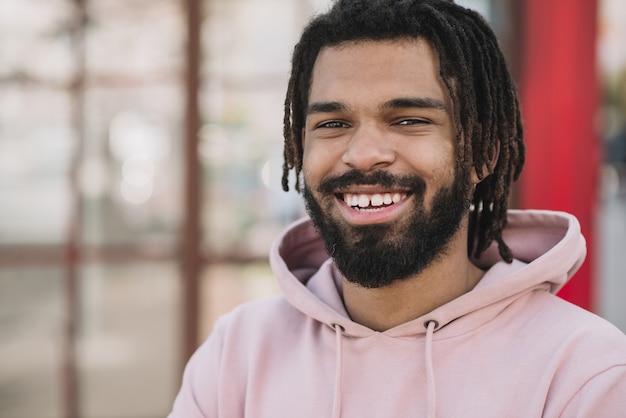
325 107
398 103
415 102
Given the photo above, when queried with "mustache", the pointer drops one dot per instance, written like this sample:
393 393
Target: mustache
384 179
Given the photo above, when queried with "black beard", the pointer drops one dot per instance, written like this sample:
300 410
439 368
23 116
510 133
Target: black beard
375 256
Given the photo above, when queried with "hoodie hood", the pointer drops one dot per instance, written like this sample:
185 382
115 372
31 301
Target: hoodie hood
548 249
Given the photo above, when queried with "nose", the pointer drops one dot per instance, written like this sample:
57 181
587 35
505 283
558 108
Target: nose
369 149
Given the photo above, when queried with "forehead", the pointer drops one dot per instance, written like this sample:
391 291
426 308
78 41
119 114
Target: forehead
392 68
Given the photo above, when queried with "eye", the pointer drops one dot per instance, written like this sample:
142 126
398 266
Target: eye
332 124
413 121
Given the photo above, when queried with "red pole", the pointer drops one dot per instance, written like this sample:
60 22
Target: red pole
560 96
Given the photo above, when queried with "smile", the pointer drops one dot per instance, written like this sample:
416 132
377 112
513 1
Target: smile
376 201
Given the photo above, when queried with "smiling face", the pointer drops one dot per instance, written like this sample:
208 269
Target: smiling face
379 163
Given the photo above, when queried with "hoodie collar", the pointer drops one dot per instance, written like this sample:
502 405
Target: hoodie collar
548 249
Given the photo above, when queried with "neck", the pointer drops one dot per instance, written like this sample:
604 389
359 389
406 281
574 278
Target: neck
404 300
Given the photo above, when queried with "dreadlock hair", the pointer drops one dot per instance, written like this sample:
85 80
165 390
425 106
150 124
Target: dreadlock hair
472 68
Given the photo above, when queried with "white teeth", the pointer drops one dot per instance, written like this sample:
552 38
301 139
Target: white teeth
365 200
377 200
351 199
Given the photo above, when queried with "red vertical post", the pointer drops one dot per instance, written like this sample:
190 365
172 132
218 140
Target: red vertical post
560 96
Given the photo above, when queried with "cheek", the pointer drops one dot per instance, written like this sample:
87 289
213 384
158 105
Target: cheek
318 161
311 169
437 168
432 158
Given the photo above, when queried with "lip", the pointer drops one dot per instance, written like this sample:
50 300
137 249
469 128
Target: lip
379 215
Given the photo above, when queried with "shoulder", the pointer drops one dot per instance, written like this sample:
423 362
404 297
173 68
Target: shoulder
258 318
567 323
583 344
580 357
590 364
224 358
574 320
566 339
247 331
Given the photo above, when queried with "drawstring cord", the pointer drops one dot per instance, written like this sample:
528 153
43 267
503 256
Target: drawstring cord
430 325
339 366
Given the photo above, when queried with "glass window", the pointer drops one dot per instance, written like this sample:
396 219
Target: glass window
128 347
130 175
36 136
31 318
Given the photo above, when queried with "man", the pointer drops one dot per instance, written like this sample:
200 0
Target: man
402 125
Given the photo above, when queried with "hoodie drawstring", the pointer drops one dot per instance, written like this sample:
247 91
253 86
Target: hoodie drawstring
430 325
339 366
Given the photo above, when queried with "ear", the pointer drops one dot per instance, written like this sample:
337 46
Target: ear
487 168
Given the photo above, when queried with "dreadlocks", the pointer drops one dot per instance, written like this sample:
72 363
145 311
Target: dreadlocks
472 68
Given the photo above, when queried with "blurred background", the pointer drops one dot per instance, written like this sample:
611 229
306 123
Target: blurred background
140 165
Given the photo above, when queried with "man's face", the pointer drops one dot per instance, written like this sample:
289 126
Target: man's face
379 163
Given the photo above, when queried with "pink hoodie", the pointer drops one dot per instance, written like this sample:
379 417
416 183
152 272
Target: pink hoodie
508 348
